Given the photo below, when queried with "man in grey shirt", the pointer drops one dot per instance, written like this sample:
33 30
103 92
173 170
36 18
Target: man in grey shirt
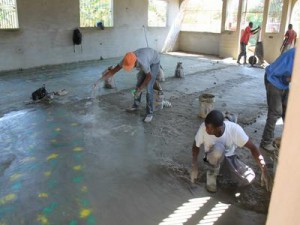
147 61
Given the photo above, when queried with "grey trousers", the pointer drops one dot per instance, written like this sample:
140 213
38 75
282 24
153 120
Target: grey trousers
149 97
240 172
215 155
277 102
243 52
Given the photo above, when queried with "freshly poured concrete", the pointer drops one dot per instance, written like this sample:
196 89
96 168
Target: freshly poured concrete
84 160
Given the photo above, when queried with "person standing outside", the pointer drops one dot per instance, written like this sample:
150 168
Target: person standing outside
220 139
244 41
277 80
147 61
290 39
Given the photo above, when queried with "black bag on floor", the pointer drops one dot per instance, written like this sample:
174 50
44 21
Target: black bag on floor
39 93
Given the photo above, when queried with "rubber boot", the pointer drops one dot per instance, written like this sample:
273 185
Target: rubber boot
211 179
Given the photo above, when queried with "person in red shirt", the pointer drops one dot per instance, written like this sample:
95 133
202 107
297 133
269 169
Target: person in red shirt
244 41
289 41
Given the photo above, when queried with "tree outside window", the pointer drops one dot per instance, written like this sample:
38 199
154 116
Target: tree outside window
274 16
94 11
157 13
203 16
231 15
8 14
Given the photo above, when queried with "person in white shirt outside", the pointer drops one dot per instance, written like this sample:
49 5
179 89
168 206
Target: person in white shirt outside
220 139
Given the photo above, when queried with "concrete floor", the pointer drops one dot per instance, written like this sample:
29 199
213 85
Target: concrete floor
81 159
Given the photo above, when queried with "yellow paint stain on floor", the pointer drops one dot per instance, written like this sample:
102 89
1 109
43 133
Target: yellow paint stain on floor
53 141
42 219
7 198
84 189
77 168
52 156
77 149
47 173
43 195
84 213
74 124
58 129
15 177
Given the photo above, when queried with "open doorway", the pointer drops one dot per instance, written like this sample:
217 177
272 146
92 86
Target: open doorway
252 11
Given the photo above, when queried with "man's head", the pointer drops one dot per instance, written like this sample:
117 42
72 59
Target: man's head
250 24
290 26
214 123
129 61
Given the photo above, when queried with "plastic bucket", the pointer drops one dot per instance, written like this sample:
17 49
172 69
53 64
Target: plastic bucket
206 104
158 98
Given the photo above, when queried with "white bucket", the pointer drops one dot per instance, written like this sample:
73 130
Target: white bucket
206 104
158 98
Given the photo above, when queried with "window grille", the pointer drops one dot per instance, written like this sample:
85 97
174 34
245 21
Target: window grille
94 11
8 14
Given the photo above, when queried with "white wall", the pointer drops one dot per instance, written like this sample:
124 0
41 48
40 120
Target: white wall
46 27
198 42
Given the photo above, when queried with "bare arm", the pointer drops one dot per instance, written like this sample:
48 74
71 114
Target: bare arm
265 179
254 31
111 72
195 153
256 155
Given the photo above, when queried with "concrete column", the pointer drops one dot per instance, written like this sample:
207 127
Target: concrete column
285 200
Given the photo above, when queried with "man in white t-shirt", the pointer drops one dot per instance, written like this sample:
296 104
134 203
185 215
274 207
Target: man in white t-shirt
220 139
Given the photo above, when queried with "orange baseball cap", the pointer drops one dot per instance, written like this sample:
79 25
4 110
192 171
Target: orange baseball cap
129 61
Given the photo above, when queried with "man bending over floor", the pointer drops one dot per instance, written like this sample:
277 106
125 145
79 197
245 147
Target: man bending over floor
147 61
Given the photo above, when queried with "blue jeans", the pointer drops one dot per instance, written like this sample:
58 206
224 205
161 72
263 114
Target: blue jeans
277 102
149 96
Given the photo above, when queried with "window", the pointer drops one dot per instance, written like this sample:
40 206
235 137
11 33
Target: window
8 14
252 12
157 13
231 15
94 11
274 16
295 20
203 16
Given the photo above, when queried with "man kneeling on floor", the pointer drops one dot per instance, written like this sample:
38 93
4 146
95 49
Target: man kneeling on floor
220 139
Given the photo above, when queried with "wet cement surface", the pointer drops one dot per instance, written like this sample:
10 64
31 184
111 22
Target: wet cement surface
82 160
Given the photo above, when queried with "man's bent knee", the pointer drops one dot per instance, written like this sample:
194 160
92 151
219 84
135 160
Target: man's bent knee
216 154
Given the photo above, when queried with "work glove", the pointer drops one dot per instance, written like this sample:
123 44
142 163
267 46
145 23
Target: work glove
194 173
266 181
136 93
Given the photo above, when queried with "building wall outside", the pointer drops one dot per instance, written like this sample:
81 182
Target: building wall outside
228 42
198 42
46 28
